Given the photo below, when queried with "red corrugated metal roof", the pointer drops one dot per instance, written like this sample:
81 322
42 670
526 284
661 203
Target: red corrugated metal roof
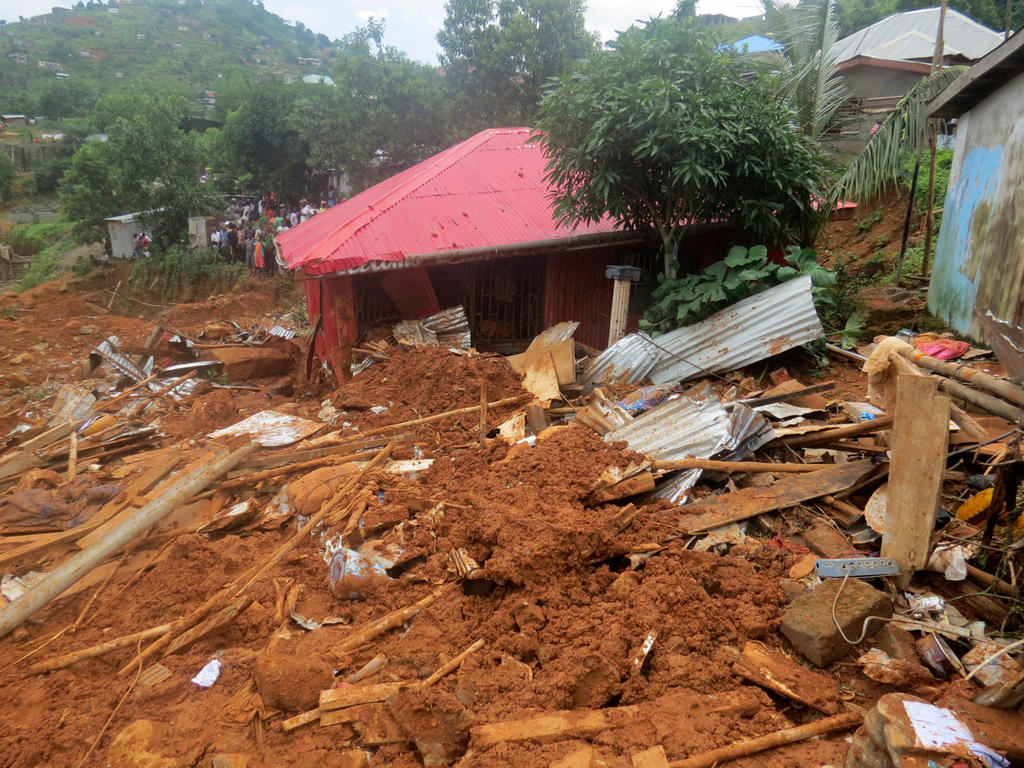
489 191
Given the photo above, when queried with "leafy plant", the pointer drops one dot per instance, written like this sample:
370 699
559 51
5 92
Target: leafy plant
684 300
46 266
943 166
667 130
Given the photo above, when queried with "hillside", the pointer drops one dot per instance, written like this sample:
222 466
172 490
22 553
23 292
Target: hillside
71 56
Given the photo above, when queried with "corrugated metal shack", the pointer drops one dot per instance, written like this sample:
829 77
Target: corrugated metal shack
472 225
979 258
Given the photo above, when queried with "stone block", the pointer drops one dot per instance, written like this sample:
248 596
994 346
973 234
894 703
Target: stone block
808 623
247 363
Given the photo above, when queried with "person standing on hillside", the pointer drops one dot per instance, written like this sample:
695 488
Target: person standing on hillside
233 243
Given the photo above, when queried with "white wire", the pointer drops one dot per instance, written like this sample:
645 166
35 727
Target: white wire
864 626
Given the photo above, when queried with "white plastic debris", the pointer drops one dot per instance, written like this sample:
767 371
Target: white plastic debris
208 675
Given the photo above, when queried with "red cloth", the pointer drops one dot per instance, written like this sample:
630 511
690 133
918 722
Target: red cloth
943 349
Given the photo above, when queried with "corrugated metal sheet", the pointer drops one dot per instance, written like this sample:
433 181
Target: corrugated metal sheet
911 35
693 425
767 324
628 360
486 191
108 351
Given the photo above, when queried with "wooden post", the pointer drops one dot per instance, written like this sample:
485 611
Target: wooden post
919 443
483 415
620 310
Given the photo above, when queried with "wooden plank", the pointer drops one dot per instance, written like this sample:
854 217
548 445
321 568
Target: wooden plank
840 433
121 507
919 443
217 621
739 505
770 669
631 486
352 696
552 726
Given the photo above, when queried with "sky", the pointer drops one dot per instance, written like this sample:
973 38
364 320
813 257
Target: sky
412 24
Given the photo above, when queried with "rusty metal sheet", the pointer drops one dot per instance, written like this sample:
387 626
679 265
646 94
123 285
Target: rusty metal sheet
760 326
271 429
628 360
1007 341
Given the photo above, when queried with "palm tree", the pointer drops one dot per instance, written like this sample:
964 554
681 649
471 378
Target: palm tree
877 167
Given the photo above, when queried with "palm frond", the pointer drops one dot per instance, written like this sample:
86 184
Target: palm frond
877 167
811 83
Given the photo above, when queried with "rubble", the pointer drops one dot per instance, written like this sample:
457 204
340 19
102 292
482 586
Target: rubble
453 558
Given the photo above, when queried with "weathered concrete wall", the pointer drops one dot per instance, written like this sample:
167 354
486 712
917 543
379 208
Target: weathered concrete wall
979 258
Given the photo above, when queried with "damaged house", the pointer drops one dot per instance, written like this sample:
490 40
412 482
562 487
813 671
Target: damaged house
471 226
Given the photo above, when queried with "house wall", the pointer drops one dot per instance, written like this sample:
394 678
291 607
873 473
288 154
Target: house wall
120 233
979 258
871 82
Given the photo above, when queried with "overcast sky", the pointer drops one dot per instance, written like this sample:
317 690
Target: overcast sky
412 24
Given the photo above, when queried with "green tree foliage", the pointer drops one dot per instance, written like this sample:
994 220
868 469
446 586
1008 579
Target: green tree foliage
7 177
665 131
498 54
260 139
66 98
147 164
387 111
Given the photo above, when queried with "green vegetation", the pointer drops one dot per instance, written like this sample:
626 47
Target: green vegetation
181 273
147 164
46 265
498 54
943 166
31 239
666 130
7 177
687 299
197 43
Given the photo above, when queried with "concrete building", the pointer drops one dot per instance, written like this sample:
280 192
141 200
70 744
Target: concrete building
979 258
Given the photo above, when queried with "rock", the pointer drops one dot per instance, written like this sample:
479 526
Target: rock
15 379
803 567
826 541
864 753
625 583
529 616
809 626
231 761
897 642
350 758
42 346
245 363
283 387
599 684
23 359
435 721
291 683
88 330
131 747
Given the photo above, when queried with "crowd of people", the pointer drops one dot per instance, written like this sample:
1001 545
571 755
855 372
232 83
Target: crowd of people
248 234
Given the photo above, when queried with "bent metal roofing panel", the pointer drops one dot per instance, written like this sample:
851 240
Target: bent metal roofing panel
488 191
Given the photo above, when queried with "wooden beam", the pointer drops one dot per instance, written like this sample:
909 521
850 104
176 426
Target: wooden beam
705 514
770 669
919 443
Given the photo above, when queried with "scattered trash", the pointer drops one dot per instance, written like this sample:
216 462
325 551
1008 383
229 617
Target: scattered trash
208 675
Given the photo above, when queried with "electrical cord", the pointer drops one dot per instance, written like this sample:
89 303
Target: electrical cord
864 627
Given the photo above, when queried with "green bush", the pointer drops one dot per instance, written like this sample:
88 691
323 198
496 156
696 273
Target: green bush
685 300
45 267
83 266
943 165
30 239
181 272
48 175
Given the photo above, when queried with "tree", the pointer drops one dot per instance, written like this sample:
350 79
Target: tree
665 131
146 164
260 139
386 113
7 177
498 54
